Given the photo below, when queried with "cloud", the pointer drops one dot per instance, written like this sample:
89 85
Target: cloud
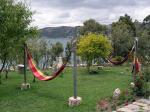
74 12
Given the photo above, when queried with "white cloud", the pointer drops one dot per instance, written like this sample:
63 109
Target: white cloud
74 12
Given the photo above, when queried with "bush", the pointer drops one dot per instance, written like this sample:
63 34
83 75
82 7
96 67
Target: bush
141 84
93 70
117 58
146 74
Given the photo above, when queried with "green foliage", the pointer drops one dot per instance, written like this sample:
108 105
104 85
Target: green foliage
40 50
146 74
15 18
93 46
68 50
123 32
91 26
142 85
144 46
57 49
128 21
139 87
117 58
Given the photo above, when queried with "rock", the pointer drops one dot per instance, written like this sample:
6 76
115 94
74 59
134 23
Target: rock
116 93
74 101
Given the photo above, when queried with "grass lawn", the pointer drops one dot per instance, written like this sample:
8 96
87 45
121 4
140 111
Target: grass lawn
52 96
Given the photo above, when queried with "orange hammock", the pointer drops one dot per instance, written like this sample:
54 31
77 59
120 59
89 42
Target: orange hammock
37 73
122 61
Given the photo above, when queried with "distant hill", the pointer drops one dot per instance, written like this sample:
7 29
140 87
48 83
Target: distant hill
58 32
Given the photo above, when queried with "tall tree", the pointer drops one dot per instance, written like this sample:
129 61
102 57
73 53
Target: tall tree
57 49
128 21
92 26
15 18
68 50
123 33
144 40
144 46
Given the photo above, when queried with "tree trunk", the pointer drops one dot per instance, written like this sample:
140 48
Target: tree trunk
33 78
3 65
6 74
88 66
7 70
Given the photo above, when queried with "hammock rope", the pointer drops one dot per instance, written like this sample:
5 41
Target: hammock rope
122 61
37 73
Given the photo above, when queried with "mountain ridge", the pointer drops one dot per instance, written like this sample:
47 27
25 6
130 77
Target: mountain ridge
58 32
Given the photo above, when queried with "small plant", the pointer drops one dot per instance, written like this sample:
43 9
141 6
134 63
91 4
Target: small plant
141 88
117 58
103 106
146 74
111 103
93 70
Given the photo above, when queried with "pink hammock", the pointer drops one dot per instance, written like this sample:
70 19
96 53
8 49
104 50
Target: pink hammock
37 73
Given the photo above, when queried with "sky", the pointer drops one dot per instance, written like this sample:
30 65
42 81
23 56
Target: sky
52 13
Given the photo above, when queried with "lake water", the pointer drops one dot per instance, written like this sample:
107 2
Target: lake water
54 40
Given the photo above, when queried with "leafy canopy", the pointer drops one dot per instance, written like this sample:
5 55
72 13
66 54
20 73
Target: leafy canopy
123 33
15 19
92 26
92 46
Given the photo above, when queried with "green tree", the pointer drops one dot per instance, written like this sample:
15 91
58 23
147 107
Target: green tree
144 46
15 18
35 47
143 32
92 46
128 21
92 26
68 50
123 32
57 50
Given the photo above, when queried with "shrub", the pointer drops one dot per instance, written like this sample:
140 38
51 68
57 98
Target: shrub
93 70
146 74
141 84
117 58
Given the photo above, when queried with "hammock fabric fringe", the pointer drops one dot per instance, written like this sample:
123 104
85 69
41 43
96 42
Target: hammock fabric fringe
136 66
124 60
37 73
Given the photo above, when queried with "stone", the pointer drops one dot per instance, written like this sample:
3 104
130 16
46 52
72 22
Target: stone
25 86
116 93
132 107
147 101
74 101
142 105
124 110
